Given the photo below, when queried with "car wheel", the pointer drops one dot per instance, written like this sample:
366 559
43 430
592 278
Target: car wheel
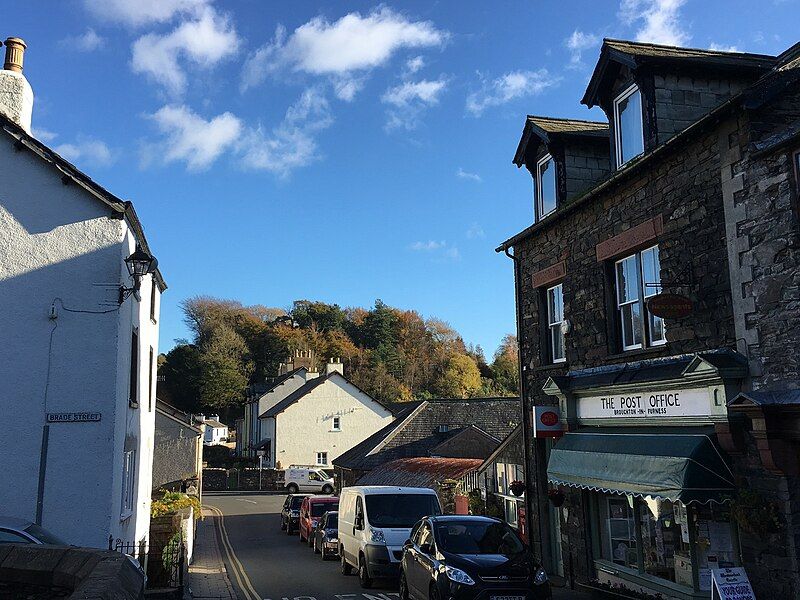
346 568
403 586
283 525
316 549
363 575
292 488
327 489
289 529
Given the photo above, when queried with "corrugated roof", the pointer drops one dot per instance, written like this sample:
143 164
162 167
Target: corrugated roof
420 472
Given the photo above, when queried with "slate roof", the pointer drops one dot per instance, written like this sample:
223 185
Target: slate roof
71 174
767 398
634 54
295 396
214 423
257 390
416 434
546 127
420 472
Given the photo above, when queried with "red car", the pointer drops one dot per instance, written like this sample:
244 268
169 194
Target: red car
311 510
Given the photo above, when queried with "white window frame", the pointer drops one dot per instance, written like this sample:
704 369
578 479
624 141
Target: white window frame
336 424
324 457
540 214
128 482
554 326
642 294
627 93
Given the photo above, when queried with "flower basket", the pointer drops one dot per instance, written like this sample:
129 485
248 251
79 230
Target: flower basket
556 497
517 488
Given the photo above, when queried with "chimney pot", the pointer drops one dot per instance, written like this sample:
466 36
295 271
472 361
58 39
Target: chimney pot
15 50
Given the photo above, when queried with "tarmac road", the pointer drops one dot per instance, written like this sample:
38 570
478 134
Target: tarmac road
263 562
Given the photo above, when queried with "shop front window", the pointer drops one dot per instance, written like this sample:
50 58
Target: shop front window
665 539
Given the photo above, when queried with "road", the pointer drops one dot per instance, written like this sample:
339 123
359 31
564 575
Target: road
277 566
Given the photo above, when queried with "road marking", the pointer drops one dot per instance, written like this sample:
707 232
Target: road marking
250 501
238 570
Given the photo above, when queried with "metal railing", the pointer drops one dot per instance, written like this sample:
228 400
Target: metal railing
163 563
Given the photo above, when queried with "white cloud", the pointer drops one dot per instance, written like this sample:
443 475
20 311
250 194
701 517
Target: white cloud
190 138
415 64
291 144
354 43
44 135
723 48
204 41
658 21
89 41
577 43
346 87
452 253
87 151
141 12
512 85
467 175
428 246
409 99
475 232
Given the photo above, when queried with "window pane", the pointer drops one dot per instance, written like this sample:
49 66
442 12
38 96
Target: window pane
618 532
547 177
651 272
555 305
627 280
557 341
631 318
657 333
631 138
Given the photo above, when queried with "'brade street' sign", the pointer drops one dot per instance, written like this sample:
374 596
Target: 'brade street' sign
731 584
73 417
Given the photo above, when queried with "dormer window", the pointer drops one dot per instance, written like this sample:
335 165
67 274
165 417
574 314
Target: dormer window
628 126
545 184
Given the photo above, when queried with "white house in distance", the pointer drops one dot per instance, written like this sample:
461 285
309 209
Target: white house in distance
80 339
317 421
216 431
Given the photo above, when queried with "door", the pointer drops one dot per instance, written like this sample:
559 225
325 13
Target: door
346 514
315 481
357 530
420 560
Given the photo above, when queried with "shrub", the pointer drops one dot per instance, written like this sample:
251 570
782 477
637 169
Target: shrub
173 502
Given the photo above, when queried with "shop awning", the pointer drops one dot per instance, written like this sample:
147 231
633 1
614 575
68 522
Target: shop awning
679 467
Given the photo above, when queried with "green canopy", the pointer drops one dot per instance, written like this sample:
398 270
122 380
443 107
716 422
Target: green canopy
675 466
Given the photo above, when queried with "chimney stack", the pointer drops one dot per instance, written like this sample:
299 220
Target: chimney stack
334 365
16 95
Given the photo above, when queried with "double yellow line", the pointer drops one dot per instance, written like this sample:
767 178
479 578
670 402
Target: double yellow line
239 573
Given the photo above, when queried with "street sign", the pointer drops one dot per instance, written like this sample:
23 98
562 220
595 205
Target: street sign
73 417
731 584
670 306
546 422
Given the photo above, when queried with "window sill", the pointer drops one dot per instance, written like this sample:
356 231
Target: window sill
655 584
644 352
551 367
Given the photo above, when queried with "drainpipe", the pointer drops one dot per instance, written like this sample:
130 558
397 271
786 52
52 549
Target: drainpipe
531 458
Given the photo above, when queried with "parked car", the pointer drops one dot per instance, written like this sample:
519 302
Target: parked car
311 510
325 538
374 523
20 531
290 513
307 479
466 557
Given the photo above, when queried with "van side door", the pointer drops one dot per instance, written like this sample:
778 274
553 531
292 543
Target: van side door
346 506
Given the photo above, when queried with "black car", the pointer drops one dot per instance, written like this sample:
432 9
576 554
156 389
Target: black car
290 513
466 558
326 535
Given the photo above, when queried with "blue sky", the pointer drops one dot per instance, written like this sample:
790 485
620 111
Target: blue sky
336 151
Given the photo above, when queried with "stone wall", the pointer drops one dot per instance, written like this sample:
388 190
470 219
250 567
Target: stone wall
586 163
175 451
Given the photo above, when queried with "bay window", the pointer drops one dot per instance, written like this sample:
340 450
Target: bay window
628 125
545 186
555 319
638 277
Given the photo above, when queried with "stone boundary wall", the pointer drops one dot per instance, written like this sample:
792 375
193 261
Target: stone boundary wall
88 573
216 479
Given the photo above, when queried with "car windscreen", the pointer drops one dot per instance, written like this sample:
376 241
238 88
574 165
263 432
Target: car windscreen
44 536
478 537
296 502
320 508
400 510
332 522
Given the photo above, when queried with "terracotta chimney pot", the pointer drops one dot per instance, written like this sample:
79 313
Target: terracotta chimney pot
15 49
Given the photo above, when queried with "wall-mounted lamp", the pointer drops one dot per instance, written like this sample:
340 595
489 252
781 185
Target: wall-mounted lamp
139 264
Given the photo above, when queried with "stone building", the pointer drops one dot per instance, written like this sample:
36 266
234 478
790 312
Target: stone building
680 452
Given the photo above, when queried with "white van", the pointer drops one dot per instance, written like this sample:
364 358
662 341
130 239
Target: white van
307 479
374 523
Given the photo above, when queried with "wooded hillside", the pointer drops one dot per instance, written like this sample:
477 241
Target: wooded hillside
393 354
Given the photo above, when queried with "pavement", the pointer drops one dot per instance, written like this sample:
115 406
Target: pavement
208 577
258 561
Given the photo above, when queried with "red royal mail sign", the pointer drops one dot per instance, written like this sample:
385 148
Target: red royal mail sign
546 422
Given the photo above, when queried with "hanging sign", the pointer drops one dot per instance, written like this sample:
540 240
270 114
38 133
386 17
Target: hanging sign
731 584
73 417
546 422
669 306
